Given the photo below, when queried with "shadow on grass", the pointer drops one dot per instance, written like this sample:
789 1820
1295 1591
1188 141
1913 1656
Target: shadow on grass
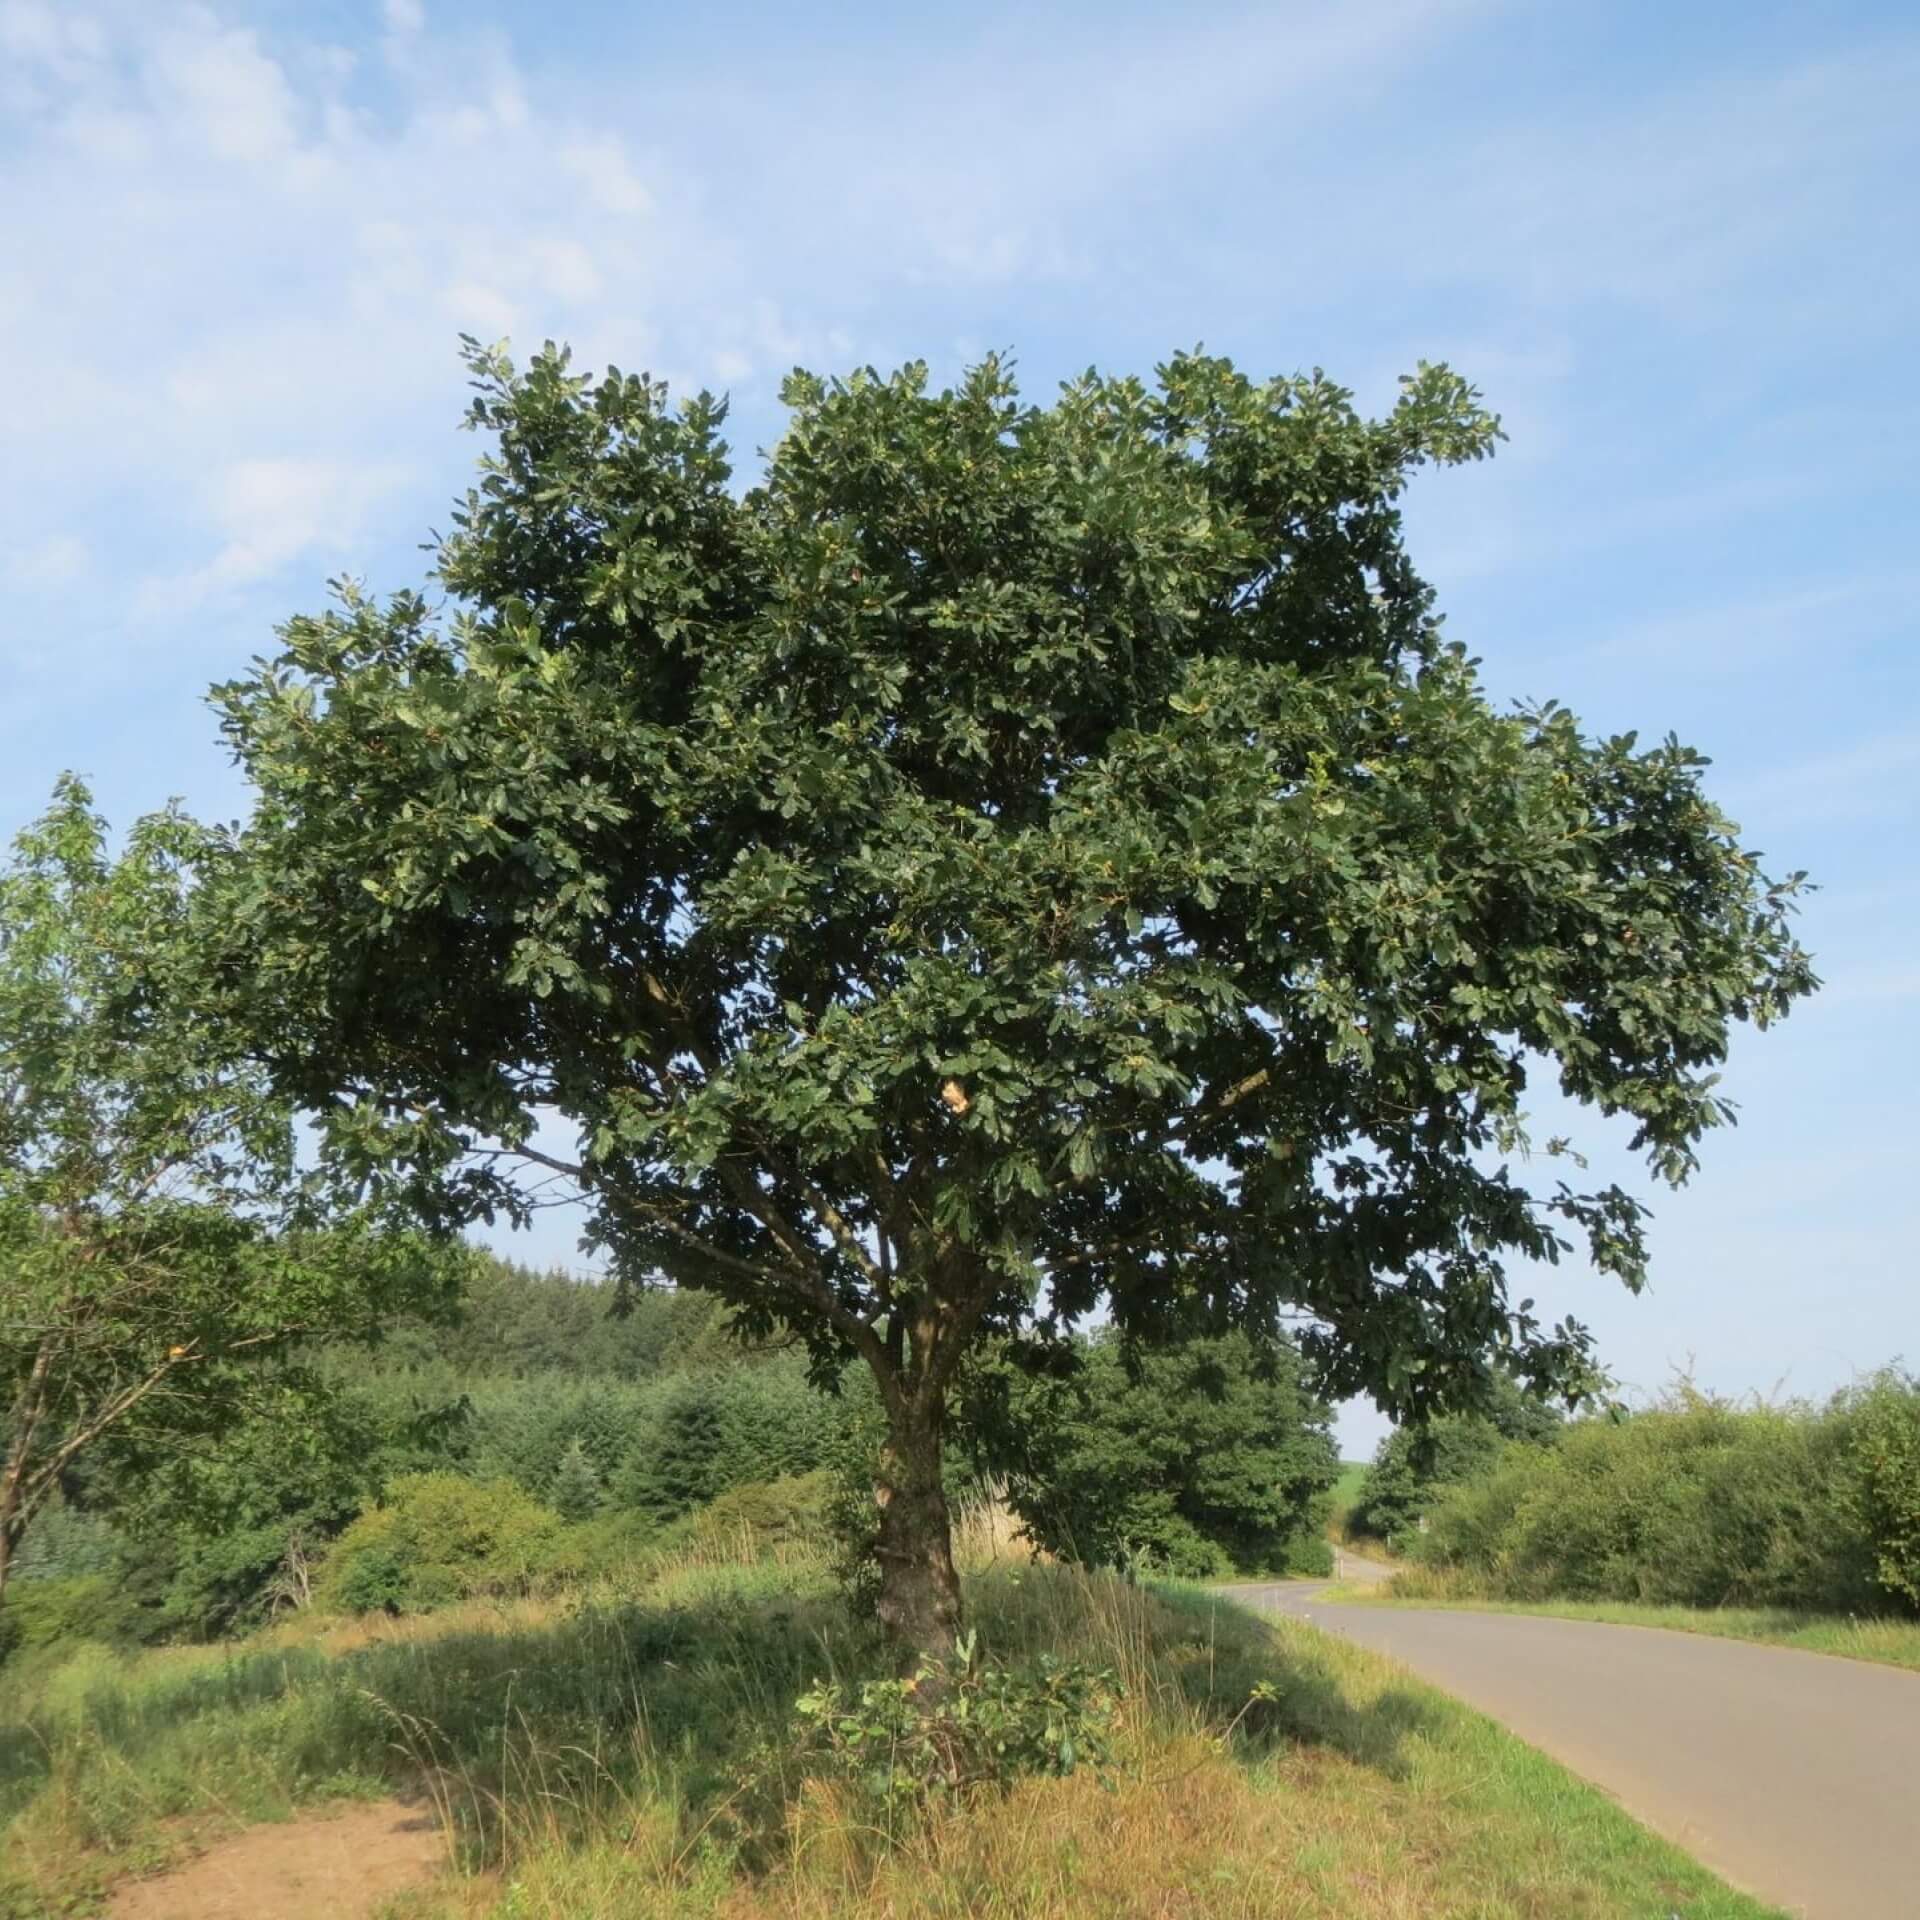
666 1704
1297 1696
663 1698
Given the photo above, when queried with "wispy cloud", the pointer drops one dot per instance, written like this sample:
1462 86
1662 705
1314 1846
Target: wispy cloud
52 562
283 236
1810 623
1873 985
1877 778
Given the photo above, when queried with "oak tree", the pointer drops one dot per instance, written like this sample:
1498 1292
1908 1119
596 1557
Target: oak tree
1013 862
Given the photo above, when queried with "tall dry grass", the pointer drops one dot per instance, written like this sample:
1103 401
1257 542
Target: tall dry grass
608 1756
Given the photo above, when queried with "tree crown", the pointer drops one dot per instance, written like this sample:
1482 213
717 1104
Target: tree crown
1010 861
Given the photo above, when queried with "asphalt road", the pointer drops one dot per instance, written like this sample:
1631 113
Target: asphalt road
1793 1775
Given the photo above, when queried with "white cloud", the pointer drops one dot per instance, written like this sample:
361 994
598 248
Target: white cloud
270 512
237 286
216 83
31 30
483 311
602 165
57 560
565 269
282 240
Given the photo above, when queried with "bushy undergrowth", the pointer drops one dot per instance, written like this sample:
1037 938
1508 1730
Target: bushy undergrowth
1885 1456
44 1613
1696 1502
438 1538
629 1421
706 1748
958 1728
596 1438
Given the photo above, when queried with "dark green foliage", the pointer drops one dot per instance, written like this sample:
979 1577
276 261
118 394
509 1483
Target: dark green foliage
235 1528
65 1541
1016 861
220 1537
1694 1503
682 1462
1414 1464
1207 1458
708 1432
522 1428
517 1321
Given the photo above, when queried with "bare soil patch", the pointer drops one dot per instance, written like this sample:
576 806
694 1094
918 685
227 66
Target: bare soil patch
334 1865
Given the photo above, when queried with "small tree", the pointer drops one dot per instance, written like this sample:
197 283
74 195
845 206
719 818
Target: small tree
576 1493
1415 1464
156 1239
1208 1455
1015 858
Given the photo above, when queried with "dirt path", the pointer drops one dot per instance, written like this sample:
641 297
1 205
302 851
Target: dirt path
333 1865
1795 1775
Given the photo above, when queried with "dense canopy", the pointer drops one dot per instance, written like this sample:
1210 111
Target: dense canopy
1013 862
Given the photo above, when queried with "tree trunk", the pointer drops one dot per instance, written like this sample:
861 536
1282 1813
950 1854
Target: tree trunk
24 1420
919 1590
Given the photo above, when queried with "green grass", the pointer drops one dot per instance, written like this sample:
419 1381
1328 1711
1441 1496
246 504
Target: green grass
1346 1495
1891 1643
1346 1489
633 1756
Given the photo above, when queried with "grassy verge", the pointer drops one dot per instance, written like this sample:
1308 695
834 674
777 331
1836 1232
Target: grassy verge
633 1755
1890 1643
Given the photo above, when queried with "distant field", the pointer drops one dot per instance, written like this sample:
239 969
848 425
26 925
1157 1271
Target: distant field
1346 1494
593 1759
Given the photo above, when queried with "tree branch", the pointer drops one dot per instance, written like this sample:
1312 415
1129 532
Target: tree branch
809 1286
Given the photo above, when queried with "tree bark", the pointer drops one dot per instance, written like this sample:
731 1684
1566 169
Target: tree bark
13 1471
919 1590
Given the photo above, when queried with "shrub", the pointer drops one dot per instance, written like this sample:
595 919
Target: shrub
63 1542
1884 1460
1309 1555
1472 1527
1414 1464
576 1493
1694 1502
437 1538
612 1545
768 1516
88 1606
712 1431
958 1728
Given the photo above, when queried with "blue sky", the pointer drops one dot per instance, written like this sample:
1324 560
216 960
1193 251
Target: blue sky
1678 247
